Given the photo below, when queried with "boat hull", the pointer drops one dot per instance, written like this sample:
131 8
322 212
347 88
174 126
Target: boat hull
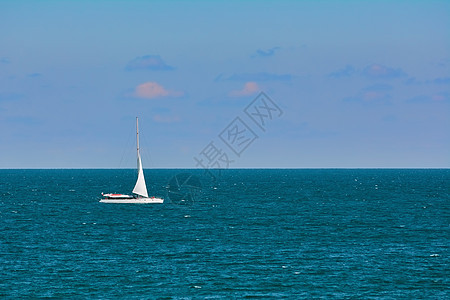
151 200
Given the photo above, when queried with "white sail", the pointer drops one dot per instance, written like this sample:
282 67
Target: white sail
140 188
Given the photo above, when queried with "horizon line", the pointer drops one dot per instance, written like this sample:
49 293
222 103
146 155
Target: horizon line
247 168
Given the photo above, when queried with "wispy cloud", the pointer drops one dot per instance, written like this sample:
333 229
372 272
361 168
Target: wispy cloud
262 76
34 75
442 80
379 87
373 71
438 81
370 97
265 53
249 88
148 62
344 72
440 97
377 71
10 96
412 81
373 94
153 90
444 62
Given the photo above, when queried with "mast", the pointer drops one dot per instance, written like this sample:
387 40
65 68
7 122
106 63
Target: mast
137 137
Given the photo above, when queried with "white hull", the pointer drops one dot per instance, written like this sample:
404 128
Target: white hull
134 200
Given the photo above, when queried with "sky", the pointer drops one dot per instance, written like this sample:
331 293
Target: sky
229 84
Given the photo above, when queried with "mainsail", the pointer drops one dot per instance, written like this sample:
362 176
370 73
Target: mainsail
140 188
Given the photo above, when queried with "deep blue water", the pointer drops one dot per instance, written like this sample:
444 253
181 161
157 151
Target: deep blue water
251 233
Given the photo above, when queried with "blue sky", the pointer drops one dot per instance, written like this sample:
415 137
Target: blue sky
358 83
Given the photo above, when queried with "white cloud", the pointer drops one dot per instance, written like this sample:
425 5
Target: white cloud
249 88
151 90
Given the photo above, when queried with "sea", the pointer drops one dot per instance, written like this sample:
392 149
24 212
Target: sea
233 234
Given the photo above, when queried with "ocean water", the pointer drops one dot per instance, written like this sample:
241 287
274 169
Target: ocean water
295 234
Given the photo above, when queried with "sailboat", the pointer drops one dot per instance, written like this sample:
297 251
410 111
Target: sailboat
140 194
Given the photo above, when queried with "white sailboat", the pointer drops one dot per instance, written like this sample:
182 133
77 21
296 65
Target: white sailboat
140 189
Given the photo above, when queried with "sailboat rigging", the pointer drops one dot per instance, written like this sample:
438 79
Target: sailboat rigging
140 188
